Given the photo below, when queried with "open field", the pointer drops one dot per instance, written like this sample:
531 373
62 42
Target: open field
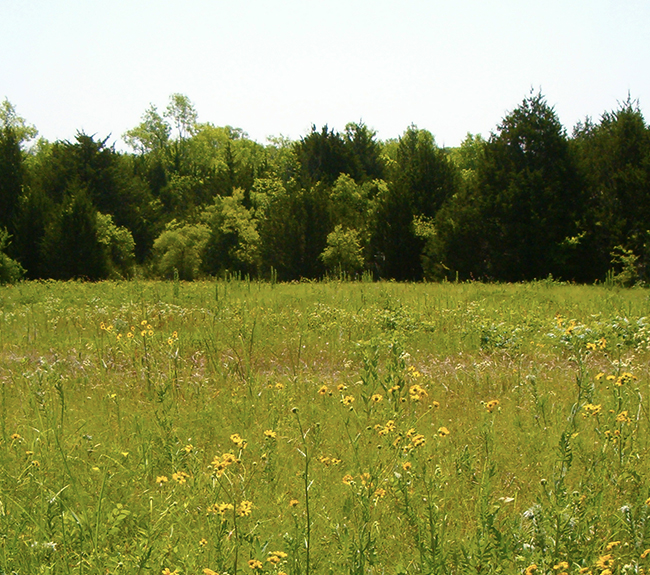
324 428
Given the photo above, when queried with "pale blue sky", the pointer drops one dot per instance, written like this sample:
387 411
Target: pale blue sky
275 67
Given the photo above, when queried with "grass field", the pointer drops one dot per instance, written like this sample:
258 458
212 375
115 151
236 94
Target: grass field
324 428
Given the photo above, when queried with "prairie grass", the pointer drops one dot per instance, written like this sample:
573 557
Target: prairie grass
323 428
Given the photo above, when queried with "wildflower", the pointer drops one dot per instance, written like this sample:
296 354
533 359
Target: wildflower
245 508
237 440
530 569
435 405
600 376
348 479
605 562
341 387
624 378
143 332
380 492
591 346
188 448
393 389
180 477
611 545
325 460
645 554
611 378
293 503
418 440
443 432
203 542
166 571
623 417
270 434
207 571
407 465
365 479
591 409
647 502
275 557
348 400
279 386
417 392
584 571
15 436
255 564
491 405
561 566
324 390
129 335
221 508
411 432
161 479
377 397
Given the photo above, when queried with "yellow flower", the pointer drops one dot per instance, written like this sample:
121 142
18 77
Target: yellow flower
647 501
188 448
530 569
166 571
417 392
435 405
348 479
605 562
491 405
207 571
561 566
591 346
341 387
203 542
293 503
377 397
143 332
380 492
245 508
443 431
418 440
602 343
180 477
611 545
15 436
591 409
393 389
255 564
623 417
324 390
270 434
600 376
237 440
645 554
407 465
279 385
161 479
348 400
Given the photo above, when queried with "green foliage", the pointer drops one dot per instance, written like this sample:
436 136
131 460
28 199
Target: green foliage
343 255
10 270
71 247
323 428
119 246
180 248
234 241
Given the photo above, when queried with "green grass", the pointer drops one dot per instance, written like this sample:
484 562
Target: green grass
334 401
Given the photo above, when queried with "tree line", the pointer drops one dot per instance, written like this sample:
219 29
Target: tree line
193 199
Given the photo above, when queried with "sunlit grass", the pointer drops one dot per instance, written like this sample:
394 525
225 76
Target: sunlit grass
323 428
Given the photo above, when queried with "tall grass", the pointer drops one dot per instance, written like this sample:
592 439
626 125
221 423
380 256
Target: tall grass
316 428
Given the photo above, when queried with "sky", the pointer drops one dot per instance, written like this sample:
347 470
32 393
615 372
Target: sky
275 67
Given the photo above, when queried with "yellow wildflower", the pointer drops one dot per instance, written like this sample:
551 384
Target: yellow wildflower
348 479
203 542
611 545
15 436
293 503
380 492
324 390
561 566
180 477
491 405
605 562
341 387
237 440
377 397
245 508
279 386
348 400
600 376
645 554
161 479
207 571
443 432
270 434
417 392
407 465
530 569
623 417
255 564
435 404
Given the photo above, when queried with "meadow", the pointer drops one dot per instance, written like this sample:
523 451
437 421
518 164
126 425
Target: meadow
238 427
